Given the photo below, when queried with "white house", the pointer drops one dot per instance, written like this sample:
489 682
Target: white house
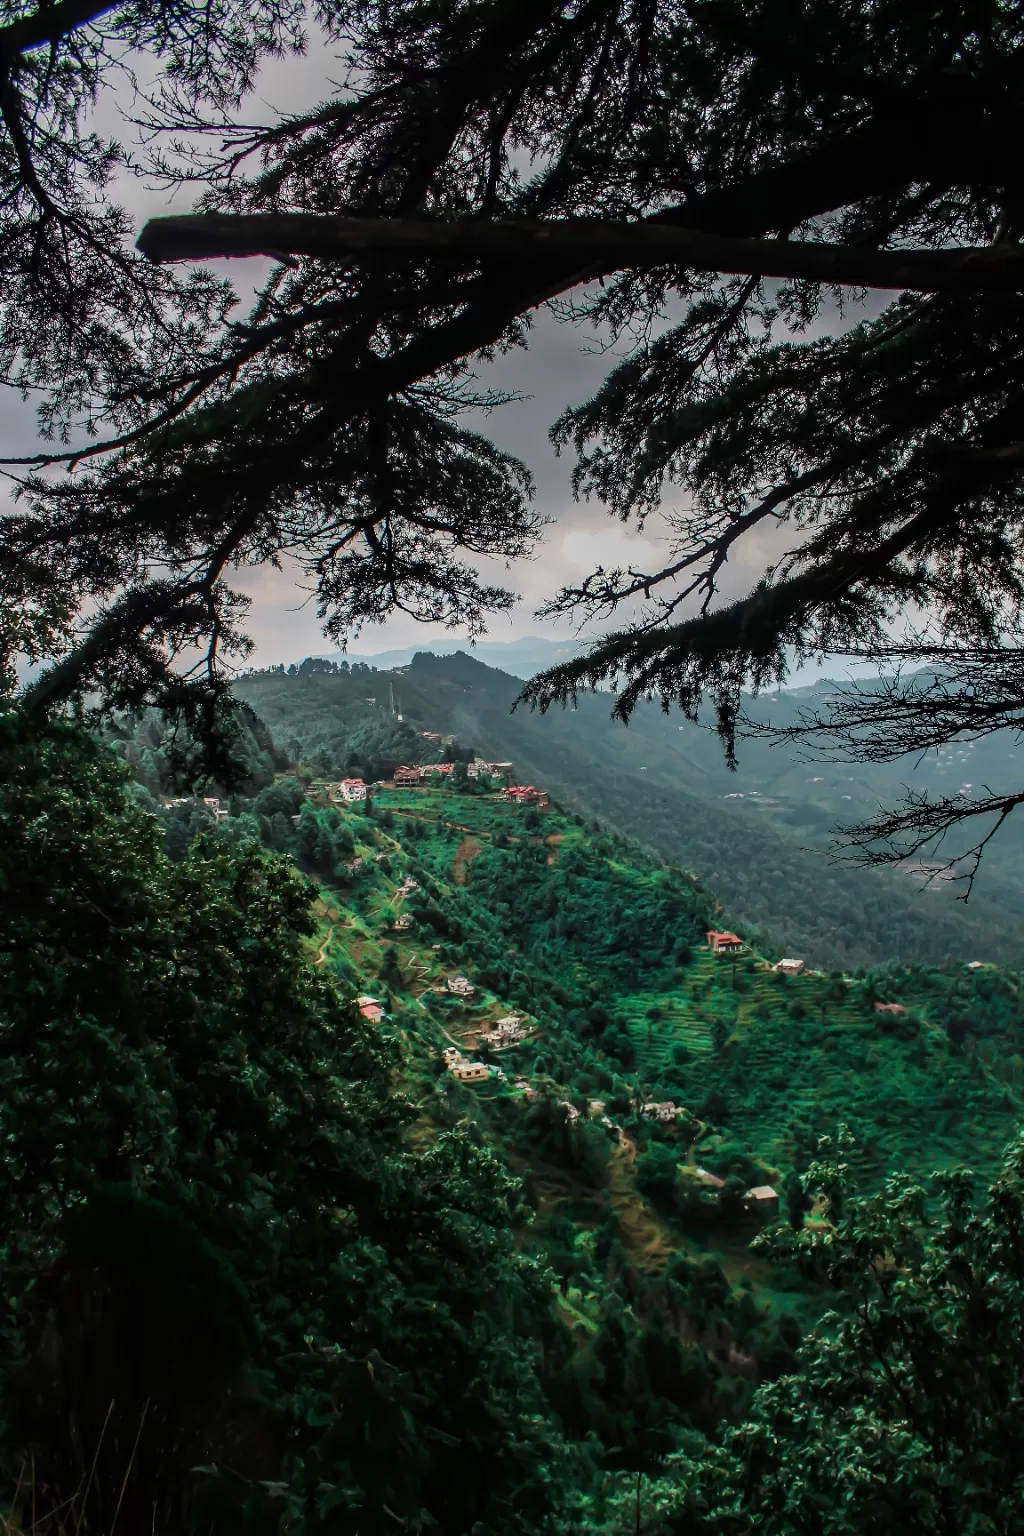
352 789
507 1031
789 967
662 1112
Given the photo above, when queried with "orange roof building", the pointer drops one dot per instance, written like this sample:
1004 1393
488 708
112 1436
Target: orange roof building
722 941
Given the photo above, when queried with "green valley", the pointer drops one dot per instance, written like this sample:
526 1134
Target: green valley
601 949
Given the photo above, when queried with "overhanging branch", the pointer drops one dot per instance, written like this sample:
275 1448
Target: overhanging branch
49 24
127 618
598 246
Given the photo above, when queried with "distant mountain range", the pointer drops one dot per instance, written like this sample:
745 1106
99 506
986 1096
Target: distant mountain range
522 658
527 656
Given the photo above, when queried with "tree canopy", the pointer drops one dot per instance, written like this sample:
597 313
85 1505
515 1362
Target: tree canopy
906 1416
221 1248
264 1264
712 184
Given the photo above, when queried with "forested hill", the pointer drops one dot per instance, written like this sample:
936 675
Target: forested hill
600 950
758 838
411 1167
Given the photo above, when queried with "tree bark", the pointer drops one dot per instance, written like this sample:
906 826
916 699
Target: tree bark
598 246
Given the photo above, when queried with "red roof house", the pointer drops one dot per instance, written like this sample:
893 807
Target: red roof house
525 794
723 942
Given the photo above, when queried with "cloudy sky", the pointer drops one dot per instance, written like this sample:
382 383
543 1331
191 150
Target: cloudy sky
562 366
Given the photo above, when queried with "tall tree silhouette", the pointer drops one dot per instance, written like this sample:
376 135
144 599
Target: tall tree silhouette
738 169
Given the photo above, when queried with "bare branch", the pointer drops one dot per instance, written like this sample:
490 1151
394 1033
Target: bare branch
604 247
920 826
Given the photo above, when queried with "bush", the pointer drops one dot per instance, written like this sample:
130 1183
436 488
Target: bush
657 1176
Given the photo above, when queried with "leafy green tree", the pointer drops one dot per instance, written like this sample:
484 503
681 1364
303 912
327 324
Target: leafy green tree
282 798
905 1415
203 1141
390 971
798 1202
657 1175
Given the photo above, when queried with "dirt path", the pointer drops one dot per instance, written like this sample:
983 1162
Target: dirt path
644 1234
465 853
439 821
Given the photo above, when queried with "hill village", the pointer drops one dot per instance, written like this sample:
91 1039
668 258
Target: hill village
354 790
501 1035
513 1029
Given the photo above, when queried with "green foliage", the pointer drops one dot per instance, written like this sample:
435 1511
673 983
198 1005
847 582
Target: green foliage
356 1317
905 1415
130 1342
164 1035
770 873
165 759
329 722
657 1175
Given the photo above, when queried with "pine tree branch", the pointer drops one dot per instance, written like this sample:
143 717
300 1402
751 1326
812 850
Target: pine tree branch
49 24
159 602
923 142
603 246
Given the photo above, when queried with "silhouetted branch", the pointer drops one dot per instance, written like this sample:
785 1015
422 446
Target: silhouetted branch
601 247
919 826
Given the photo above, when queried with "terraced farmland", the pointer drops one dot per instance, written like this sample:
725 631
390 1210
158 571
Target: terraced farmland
796 1057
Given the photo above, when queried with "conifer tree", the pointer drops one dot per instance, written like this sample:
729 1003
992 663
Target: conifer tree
705 179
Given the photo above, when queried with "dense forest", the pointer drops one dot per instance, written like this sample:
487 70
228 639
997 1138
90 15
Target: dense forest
329 1283
764 849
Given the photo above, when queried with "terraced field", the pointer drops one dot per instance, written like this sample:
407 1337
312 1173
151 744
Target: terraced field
809 1053
775 1062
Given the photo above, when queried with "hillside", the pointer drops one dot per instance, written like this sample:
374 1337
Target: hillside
545 996
758 838
601 950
